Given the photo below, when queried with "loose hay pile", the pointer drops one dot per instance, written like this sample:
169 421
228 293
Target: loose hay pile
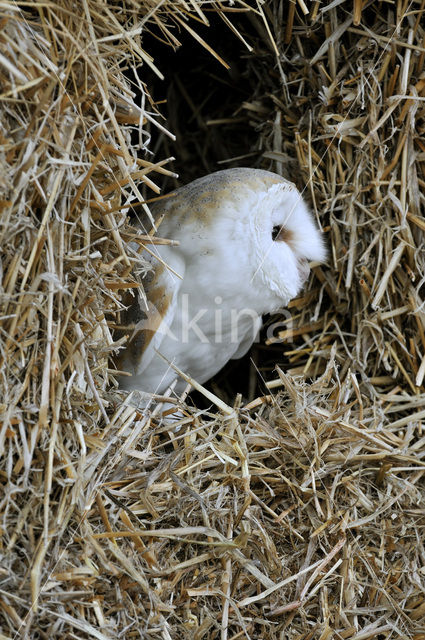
297 515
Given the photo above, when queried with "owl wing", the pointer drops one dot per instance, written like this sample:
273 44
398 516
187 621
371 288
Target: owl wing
147 320
248 339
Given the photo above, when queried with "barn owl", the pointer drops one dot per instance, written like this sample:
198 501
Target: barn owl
244 238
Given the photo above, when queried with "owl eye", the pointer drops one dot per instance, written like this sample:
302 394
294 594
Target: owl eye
275 233
280 234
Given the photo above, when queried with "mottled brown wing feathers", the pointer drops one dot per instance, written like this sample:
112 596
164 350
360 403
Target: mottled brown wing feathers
145 322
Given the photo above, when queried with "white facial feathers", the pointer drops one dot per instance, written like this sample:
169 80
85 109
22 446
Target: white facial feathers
292 216
287 238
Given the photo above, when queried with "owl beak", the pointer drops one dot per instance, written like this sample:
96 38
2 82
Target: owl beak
303 270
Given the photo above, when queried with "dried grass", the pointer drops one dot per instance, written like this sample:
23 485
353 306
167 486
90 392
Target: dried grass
297 514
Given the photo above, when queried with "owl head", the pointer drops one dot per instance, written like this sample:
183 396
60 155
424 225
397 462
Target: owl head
249 230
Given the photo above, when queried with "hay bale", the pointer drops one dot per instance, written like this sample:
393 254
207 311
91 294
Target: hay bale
297 514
